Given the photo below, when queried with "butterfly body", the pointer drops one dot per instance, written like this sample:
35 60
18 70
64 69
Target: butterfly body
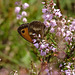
29 30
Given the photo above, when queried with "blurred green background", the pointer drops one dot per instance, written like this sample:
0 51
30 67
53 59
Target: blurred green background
14 50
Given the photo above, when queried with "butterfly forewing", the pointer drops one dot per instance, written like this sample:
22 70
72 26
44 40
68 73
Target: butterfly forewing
23 31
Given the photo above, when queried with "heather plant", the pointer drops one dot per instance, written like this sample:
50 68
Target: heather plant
56 51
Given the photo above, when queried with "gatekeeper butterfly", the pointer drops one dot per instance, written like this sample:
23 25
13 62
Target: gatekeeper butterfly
29 31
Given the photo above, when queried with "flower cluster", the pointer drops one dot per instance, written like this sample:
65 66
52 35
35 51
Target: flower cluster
63 29
49 12
68 68
52 19
44 47
20 11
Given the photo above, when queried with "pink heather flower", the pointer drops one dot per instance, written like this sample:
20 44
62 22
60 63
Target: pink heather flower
72 28
58 14
16 3
63 20
44 10
47 70
68 39
73 22
68 72
47 50
70 64
36 45
58 33
25 5
62 71
34 40
56 10
34 34
17 9
43 2
49 16
64 34
58 28
65 63
43 40
46 45
47 24
51 47
24 13
53 6
68 21
54 49
62 30
24 20
53 23
52 30
43 53
42 46
60 65
73 72
19 17
68 33
39 35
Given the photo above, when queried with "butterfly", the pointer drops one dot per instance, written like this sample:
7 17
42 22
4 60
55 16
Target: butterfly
30 31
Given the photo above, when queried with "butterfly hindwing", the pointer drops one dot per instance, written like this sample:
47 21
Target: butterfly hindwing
36 27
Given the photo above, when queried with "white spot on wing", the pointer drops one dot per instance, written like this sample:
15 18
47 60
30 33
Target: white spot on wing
36 29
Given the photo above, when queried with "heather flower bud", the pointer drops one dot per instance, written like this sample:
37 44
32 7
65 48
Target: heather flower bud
53 23
25 5
19 17
43 2
60 65
34 40
44 10
24 13
54 49
47 50
43 53
73 22
42 46
68 33
58 14
36 45
52 30
24 20
47 24
17 9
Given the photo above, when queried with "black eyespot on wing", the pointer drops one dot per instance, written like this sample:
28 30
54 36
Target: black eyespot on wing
23 31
